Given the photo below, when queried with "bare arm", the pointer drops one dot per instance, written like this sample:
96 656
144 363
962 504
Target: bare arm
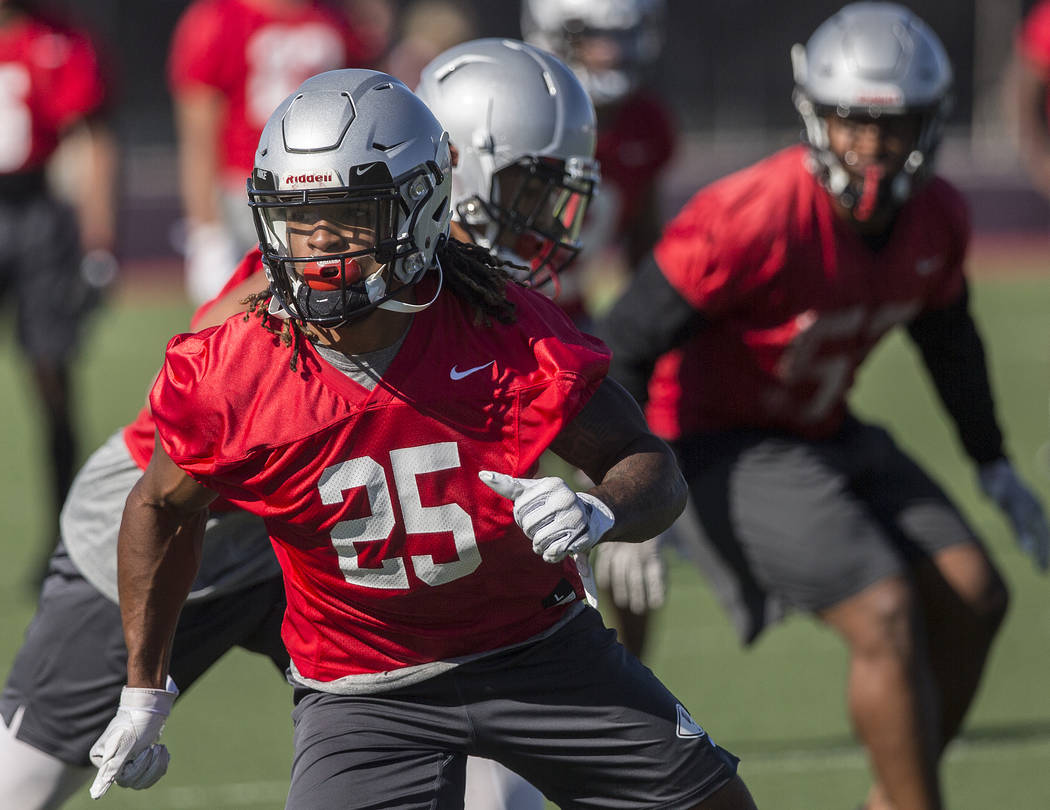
158 553
93 159
637 474
1025 100
198 115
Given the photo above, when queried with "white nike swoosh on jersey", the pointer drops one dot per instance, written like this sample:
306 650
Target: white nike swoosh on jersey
456 374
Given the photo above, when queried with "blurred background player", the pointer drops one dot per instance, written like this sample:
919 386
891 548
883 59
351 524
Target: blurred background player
744 330
425 28
612 46
525 172
230 63
54 258
65 682
1028 94
523 130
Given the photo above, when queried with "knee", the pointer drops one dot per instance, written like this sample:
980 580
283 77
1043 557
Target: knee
879 623
992 604
970 580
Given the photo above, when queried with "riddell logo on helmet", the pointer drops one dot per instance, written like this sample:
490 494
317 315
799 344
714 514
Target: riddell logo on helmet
319 178
296 179
879 100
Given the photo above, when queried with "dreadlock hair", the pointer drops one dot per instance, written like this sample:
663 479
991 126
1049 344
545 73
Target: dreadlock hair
289 332
478 278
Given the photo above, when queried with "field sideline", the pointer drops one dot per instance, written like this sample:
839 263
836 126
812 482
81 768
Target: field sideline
779 706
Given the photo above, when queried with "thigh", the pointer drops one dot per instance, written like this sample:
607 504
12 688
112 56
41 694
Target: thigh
585 722
69 670
405 749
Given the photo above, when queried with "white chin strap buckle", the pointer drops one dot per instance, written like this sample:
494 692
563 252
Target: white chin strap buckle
401 306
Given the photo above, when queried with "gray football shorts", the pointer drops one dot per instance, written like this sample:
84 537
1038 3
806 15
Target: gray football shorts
71 666
40 267
787 523
575 714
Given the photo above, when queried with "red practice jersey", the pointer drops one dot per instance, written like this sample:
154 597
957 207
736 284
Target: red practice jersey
49 78
139 435
1034 40
394 553
793 297
633 147
255 56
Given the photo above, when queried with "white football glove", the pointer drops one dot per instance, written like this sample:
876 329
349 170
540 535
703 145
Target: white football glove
634 574
128 752
1001 484
557 520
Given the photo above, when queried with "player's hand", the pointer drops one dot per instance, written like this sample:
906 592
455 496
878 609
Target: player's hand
128 752
633 573
211 257
1001 484
557 520
99 268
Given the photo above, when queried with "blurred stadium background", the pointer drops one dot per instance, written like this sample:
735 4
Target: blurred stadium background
725 70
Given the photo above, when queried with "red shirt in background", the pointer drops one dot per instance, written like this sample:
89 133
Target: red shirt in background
49 79
794 297
633 147
256 56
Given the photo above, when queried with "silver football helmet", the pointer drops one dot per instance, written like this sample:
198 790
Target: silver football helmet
353 155
524 130
873 59
631 29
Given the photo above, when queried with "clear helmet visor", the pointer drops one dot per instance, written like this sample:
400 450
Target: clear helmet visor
328 243
540 205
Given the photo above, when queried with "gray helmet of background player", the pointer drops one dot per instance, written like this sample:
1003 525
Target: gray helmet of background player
524 130
872 60
361 141
632 29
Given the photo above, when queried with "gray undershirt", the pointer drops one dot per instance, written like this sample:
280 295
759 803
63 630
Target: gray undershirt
365 369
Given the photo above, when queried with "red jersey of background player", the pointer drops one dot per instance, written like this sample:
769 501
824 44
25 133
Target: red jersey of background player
395 554
49 79
256 56
1034 40
793 297
633 146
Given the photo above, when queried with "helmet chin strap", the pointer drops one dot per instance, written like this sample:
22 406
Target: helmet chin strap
393 305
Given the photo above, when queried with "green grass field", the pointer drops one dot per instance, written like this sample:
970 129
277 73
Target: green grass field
779 706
